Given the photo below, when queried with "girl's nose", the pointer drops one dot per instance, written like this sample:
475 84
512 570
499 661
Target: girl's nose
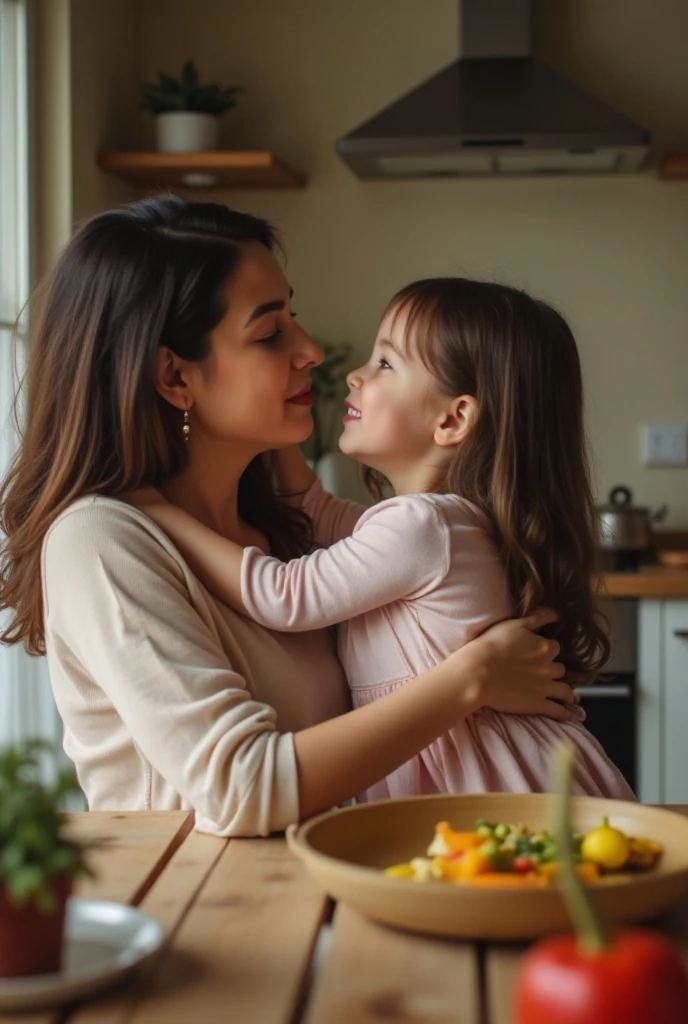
354 379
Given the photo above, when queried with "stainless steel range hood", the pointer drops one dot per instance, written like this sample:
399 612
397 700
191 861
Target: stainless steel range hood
497 110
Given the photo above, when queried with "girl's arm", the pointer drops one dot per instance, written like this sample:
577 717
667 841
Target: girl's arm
333 518
401 550
293 476
214 559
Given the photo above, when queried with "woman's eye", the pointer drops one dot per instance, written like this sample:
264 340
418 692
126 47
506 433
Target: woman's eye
384 364
271 338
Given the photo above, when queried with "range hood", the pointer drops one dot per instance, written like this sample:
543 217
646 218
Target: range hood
496 111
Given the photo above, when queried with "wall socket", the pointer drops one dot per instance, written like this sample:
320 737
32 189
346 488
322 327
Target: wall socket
664 444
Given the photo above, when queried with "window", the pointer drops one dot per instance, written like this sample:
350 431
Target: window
14 166
27 709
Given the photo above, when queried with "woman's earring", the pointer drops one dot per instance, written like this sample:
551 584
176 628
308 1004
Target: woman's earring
186 429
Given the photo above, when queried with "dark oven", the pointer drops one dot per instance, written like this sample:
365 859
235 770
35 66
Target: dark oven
611 703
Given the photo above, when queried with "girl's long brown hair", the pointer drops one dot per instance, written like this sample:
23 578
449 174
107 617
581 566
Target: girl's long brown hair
130 280
524 463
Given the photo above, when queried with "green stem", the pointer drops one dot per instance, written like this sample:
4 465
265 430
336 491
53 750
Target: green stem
592 933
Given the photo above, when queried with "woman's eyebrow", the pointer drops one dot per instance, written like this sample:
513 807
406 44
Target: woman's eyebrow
268 307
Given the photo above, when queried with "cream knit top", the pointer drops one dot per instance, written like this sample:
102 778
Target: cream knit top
170 699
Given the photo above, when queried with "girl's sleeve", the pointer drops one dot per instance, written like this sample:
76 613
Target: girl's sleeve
118 612
333 518
399 551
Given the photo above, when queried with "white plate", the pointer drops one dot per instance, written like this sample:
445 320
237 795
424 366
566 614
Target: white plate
103 942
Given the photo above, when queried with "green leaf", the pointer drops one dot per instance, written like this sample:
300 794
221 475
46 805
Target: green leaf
24 882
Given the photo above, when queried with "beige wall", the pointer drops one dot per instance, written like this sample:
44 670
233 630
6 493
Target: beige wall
105 61
611 253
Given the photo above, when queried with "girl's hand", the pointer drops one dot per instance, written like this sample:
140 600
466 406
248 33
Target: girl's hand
517 672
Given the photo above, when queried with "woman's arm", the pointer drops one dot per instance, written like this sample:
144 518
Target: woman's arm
118 613
508 668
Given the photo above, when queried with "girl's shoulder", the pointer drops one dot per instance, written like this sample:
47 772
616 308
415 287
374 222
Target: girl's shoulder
425 510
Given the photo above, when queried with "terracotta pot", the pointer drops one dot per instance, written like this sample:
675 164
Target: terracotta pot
31 941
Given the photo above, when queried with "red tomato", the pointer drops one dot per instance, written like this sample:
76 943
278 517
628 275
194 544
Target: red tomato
522 865
639 979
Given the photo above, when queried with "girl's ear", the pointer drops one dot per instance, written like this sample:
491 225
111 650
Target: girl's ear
456 421
169 379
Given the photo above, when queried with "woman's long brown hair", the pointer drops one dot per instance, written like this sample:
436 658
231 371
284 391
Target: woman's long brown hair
524 463
130 280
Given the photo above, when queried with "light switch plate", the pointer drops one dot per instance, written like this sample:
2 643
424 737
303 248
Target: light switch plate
665 444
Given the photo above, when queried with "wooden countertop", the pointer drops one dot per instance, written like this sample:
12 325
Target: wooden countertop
651 581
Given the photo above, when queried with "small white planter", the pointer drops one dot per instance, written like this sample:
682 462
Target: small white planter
186 131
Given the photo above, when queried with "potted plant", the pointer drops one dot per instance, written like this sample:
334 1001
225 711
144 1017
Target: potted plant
187 114
38 862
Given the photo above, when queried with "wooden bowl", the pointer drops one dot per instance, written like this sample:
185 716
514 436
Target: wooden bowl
345 851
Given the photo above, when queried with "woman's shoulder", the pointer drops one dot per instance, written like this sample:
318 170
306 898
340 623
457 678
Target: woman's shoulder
103 529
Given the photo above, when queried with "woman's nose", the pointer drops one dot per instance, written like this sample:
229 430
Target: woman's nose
308 353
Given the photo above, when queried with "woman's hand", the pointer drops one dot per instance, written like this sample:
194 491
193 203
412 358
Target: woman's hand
516 670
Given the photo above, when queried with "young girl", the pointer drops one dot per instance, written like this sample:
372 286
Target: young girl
471 407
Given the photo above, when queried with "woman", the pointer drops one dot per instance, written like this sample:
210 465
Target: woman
167 354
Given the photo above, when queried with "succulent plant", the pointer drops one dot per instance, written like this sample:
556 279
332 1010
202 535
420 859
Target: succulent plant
34 850
186 93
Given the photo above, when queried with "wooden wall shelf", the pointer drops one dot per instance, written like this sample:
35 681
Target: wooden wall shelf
216 170
674 166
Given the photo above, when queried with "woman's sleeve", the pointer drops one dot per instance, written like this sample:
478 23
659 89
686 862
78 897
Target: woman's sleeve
399 551
117 607
333 518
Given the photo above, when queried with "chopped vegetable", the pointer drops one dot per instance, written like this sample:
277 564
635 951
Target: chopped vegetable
496 848
606 846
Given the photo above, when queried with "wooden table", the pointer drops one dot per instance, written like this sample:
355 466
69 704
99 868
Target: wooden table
246 944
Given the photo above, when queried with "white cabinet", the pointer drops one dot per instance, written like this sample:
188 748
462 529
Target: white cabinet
663 702
675 623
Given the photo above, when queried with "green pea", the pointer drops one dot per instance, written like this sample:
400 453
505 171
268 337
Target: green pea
489 850
550 852
501 832
485 831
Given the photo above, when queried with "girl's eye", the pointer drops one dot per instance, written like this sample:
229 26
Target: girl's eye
384 364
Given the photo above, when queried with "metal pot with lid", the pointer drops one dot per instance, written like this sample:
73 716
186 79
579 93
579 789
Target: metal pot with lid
623 526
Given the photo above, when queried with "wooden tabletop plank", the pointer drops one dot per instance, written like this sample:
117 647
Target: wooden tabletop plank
243 951
372 973
167 901
133 848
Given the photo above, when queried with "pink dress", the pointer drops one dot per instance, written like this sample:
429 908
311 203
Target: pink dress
410 581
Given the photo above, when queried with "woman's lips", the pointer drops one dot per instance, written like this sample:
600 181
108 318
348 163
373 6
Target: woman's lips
303 398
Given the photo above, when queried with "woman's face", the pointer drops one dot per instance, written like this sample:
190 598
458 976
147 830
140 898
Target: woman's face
254 387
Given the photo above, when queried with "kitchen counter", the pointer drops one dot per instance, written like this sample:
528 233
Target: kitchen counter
652 581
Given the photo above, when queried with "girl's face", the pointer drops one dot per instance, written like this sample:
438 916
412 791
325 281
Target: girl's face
393 410
254 386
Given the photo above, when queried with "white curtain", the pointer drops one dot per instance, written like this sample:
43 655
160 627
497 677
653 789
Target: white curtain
27 708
